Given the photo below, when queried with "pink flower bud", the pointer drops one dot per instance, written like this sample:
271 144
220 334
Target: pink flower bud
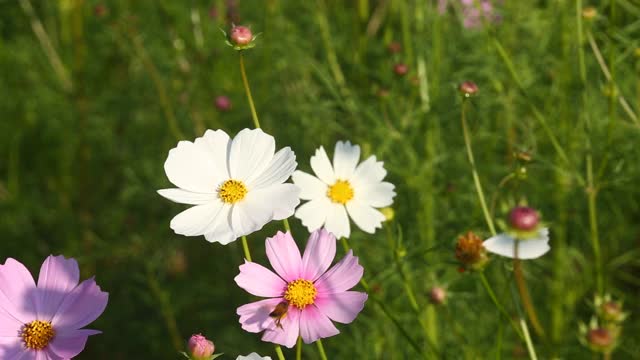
394 47
200 347
400 69
223 103
600 338
437 295
241 35
524 218
468 88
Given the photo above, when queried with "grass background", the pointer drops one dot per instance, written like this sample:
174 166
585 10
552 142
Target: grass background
83 142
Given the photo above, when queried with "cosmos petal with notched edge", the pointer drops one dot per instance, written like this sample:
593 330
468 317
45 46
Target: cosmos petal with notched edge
345 159
337 221
315 325
367 218
275 202
284 256
251 152
17 291
341 307
187 197
197 219
321 166
58 277
217 145
376 195
81 306
341 277
288 334
69 344
368 172
313 214
310 186
254 317
318 254
190 168
259 281
278 171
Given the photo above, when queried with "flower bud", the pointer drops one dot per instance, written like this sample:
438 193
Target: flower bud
388 213
223 103
589 13
468 88
471 252
437 295
524 218
200 347
611 312
600 338
400 69
241 35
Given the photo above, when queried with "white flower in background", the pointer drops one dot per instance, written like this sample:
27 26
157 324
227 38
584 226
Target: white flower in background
253 356
237 186
341 189
525 240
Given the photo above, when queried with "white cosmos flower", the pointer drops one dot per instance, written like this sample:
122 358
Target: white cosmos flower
253 356
237 186
341 189
505 245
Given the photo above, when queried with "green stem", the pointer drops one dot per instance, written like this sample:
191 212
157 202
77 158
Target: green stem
493 297
279 353
323 355
285 222
474 171
254 114
525 297
299 348
245 248
530 349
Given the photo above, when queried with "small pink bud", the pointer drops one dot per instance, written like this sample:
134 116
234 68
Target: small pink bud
223 103
241 35
468 88
200 347
437 295
400 69
600 338
524 218
100 10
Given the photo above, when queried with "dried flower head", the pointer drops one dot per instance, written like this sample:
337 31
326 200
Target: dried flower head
471 252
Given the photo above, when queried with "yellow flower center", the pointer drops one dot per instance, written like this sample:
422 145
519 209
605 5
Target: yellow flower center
232 191
340 192
300 293
37 334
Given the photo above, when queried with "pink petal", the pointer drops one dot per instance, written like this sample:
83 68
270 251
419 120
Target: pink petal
9 325
11 348
284 256
58 277
43 355
288 334
318 255
82 306
69 344
254 316
341 277
315 325
342 307
260 281
17 291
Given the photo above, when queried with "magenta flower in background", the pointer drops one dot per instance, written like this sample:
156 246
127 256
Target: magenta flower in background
303 297
474 12
44 322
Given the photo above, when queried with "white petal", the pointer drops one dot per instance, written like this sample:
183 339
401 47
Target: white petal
197 219
187 197
243 224
376 195
503 244
345 159
310 186
251 152
369 172
218 145
338 221
221 230
275 202
314 213
278 171
322 167
366 217
191 168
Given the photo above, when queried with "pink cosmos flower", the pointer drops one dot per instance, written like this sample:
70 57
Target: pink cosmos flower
44 322
303 297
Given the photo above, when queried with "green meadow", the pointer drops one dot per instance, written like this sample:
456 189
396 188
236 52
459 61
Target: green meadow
96 93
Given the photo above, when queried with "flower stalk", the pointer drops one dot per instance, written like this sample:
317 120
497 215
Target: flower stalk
254 114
